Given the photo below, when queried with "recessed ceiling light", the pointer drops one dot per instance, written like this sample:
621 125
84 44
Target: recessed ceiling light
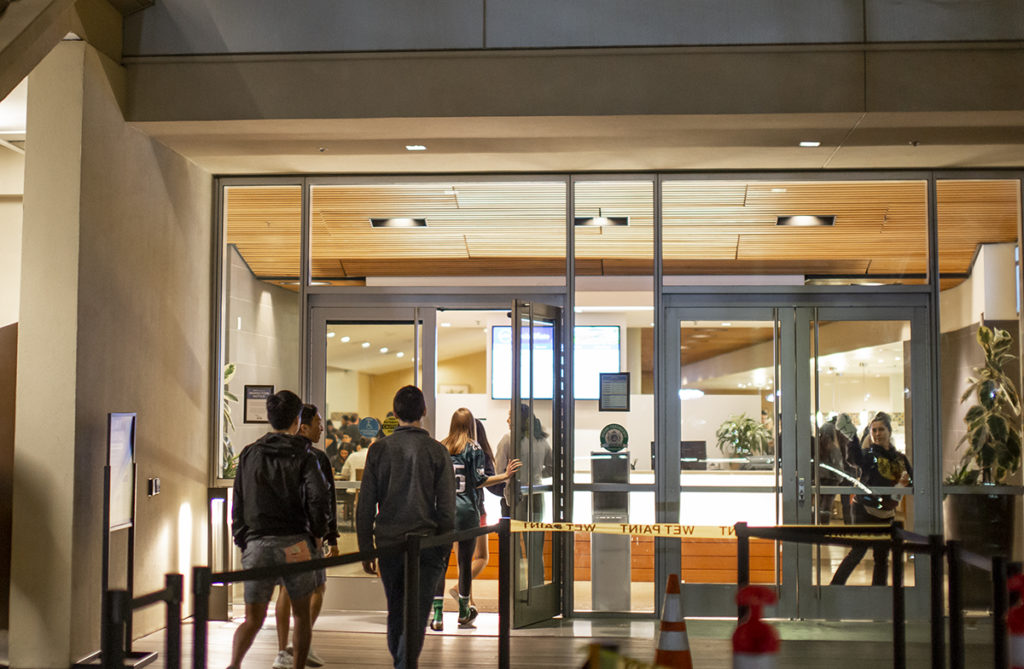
384 349
400 354
601 221
778 190
810 144
346 339
330 335
446 325
726 324
401 222
366 344
415 147
805 221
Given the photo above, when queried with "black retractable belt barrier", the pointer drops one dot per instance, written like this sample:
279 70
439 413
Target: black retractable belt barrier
956 611
937 596
175 590
200 616
899 611
504 593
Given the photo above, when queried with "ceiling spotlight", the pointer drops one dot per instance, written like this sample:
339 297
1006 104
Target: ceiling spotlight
778 190
366 344
330 335
384 349
726 324
810 144
400 354
806 221
406 222
601 221
346 339
446 325
415 147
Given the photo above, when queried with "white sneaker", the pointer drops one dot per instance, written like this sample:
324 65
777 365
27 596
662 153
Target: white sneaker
313 660
284 660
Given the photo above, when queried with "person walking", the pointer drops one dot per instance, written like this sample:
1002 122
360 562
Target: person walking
408 487
280 512
310 429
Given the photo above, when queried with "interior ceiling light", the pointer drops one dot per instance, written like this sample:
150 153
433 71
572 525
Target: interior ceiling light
601 221
806 221
415 147
400 354
331 334
398 222
384 349
810 144
778 190
346 340
366 344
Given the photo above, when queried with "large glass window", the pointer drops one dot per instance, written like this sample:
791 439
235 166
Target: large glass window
262 230
796 232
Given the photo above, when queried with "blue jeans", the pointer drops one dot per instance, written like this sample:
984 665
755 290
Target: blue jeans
433 562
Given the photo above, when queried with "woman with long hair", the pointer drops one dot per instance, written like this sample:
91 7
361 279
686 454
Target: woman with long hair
469 461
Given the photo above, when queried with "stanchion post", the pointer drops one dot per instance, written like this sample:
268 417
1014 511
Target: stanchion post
410 619
112 643
938 576
899 614
956 605
1000 605
201 615
742 563
174 585
505 593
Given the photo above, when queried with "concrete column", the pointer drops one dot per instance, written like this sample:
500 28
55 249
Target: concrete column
44 450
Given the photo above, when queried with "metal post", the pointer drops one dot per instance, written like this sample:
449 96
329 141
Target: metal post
504 593
112 643
1000 605
937 596
201 615
742 563
411 620
899 613
175 585
956 609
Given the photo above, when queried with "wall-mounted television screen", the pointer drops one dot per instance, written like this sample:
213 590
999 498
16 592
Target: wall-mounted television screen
596 350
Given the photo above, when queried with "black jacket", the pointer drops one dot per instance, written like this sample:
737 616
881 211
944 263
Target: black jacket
880 467
324 463
279 490
408 487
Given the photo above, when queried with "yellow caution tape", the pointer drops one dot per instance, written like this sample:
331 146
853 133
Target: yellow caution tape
633 529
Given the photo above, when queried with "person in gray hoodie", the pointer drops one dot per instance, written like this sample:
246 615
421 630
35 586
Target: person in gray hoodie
408 487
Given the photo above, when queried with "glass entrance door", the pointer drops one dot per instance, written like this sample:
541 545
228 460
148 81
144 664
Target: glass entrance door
766 396
539 387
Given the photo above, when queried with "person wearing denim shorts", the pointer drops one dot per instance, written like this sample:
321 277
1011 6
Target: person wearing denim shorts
281 508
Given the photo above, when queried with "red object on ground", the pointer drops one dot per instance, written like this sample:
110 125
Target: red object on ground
755 643
1015 623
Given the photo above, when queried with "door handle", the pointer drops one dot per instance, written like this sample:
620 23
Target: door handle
801 490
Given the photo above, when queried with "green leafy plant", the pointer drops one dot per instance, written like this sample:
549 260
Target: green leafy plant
993 439
741 436
229 460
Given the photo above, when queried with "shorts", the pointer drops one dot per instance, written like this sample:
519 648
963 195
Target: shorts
269 552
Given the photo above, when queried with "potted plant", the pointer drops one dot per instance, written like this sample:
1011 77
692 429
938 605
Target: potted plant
741 437
229 459
984 522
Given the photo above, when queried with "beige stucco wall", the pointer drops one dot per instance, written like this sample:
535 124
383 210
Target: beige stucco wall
115 310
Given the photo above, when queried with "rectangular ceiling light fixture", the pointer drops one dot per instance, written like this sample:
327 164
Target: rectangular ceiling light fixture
398 222
805 221
601 221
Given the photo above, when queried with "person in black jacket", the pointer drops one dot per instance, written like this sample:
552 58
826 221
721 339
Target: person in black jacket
881 465
310 430
408 487
280 512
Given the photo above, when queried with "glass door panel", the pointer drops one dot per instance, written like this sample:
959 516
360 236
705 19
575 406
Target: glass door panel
535 420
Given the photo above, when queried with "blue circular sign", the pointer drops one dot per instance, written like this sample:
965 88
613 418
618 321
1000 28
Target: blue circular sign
369 427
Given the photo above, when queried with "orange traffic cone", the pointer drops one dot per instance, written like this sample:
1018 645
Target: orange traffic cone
673 644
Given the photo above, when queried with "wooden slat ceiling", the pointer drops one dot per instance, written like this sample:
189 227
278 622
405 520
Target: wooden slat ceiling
518 228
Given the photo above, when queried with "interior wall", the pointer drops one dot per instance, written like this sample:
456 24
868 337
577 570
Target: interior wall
12 178
465 370
262 340
8 390
140 341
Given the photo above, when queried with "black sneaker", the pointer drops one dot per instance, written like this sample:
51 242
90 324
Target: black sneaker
467 619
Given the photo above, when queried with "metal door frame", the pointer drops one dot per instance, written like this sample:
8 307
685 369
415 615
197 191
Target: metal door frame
792 309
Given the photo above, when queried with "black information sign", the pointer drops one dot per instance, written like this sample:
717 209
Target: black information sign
614 395
256 403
